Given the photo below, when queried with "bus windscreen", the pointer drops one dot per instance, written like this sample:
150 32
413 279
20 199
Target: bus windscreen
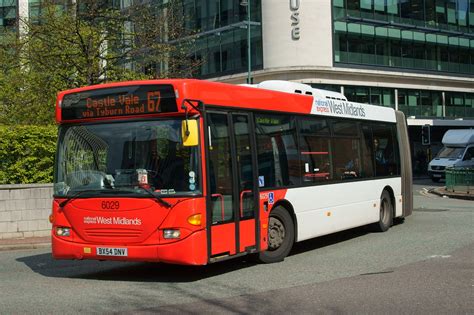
119 101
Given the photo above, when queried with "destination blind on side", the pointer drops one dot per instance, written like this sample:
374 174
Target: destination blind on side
119 101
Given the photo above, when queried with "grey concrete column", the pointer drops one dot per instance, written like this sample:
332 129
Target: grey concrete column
443 99
396 99
23 16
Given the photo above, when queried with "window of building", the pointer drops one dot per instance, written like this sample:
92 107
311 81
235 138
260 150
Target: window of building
7 14
433 47
455 106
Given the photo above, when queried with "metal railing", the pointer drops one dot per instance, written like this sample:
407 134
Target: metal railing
460 180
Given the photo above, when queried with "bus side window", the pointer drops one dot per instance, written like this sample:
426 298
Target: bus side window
315 151
346 149
385 164
346 158
396 150
278 163
367 152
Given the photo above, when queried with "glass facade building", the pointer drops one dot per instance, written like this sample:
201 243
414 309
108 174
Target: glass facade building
424 35
8 15
419 36
220 28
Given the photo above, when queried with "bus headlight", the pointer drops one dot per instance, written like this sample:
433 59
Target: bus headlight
63 231
171 233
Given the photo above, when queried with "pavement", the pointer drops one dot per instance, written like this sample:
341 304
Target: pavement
25 243
443 192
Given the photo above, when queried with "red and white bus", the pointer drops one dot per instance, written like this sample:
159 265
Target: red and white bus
194 172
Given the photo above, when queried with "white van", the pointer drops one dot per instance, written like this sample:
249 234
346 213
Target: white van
458 151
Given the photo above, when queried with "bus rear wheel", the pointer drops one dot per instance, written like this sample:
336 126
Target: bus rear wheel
281 236
386 213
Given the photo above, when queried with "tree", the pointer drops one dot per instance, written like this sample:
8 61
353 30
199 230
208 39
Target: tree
89 43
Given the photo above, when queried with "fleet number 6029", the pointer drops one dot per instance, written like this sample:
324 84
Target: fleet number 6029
110 205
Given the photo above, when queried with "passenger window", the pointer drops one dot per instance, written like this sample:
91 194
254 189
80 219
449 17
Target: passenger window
344 128
367 155
278 163
396 151
384 155
346 158
315 151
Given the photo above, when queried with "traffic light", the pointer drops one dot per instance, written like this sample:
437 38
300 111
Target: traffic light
425 135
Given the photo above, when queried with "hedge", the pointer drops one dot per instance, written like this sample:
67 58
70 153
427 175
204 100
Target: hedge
27 154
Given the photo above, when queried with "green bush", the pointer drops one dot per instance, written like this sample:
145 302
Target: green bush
27 154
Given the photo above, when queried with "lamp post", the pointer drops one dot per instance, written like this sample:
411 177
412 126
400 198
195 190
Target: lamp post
246 3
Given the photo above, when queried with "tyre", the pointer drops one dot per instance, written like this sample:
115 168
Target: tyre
281 236
386 213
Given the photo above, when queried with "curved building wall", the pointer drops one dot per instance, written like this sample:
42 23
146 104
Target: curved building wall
296 33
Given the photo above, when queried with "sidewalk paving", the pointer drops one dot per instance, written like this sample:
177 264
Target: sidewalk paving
25 243
442 192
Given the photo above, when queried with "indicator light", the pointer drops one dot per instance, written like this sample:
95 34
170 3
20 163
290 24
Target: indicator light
51 218
171 234
63 231
195 219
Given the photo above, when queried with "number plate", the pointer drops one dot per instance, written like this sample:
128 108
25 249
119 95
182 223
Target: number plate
436 175
110 251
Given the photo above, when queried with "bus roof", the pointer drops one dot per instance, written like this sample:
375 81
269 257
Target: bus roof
280 96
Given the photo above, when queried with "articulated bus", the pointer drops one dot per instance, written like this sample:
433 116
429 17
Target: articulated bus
195 172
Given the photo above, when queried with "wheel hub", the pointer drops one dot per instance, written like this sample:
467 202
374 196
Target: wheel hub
276 233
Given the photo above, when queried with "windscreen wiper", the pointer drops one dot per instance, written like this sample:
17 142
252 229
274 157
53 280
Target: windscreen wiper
159 199
79 193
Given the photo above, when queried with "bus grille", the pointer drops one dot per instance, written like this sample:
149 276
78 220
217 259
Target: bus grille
438 168
113 233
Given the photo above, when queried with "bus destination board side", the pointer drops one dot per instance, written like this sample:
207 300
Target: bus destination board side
119 101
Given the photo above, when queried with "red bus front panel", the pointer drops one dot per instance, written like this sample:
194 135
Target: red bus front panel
138 225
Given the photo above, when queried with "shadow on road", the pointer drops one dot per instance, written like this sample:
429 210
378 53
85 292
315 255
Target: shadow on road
328 240
45 265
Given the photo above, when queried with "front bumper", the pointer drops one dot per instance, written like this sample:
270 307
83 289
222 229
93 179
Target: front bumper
190 251
437 174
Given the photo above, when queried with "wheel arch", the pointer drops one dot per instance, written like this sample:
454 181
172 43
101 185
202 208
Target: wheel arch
289 207
392 199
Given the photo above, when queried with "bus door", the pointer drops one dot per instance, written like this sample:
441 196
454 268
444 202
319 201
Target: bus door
232 188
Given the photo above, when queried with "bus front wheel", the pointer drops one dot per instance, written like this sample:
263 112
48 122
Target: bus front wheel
281 236
386 213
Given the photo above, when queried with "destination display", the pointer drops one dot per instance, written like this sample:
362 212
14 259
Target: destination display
119 101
